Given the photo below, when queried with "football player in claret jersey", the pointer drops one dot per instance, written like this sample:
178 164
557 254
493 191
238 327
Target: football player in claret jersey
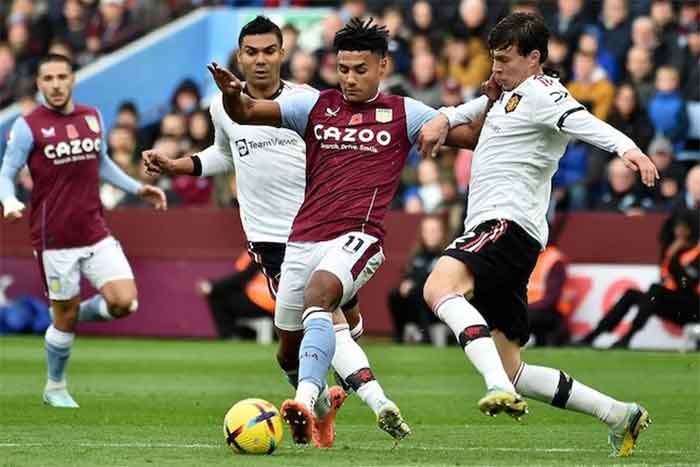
357 141
270 164
63 144
478 288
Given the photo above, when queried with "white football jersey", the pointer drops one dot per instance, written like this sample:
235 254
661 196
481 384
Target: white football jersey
524 135
270 166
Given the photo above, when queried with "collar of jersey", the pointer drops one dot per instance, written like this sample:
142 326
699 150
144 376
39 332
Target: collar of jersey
47 107
368 101
274 95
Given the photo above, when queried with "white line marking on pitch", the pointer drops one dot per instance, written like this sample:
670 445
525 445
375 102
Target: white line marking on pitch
402 446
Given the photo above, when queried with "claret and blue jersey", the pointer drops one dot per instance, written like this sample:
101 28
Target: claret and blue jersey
354 156
66 155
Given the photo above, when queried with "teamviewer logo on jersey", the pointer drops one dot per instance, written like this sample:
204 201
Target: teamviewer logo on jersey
242 147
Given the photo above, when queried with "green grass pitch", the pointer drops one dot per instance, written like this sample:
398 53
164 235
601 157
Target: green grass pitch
157 403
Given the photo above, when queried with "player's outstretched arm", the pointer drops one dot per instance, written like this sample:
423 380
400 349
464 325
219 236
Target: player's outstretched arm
19 146
459 126
588 128
238 106
158 164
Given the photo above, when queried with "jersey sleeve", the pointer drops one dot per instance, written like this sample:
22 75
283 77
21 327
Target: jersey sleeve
588 128
552 106
559 111
417 115
19 145
465 113
295 109
110 172
217 158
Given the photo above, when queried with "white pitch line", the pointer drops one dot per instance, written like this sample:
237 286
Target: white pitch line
402 446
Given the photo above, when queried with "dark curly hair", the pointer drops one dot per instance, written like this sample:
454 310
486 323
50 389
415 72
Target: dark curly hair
358 35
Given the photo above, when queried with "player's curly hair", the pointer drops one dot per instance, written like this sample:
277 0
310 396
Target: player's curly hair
362 35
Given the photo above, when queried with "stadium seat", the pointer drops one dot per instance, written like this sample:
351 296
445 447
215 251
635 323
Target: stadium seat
262 326
691 337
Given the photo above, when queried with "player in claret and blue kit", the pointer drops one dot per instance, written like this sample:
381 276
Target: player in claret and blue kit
357 141
63 145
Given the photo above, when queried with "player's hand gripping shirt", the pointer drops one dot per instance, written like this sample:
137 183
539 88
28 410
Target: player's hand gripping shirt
354 156
270 166
67 156
524 135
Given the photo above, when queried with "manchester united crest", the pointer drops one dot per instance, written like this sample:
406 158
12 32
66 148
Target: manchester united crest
93 123
513 102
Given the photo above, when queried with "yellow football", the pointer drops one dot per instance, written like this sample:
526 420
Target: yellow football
253 426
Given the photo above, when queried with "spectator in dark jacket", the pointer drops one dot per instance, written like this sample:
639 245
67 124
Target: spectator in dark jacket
617 28
628 116
640 73
691 64
409 312
8 76
669 191
569 20
623 195
243 294
73 29
111 28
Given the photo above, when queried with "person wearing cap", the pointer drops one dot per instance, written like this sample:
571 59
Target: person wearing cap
670 171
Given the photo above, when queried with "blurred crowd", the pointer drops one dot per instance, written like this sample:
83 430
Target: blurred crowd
634 64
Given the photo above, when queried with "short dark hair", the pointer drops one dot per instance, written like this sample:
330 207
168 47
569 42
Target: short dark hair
360 35
260 25
50 58
527 32
128 106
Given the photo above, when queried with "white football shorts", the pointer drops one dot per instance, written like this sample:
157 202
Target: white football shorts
99 263
353 258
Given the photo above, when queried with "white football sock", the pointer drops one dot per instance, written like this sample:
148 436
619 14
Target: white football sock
323 403
373 395
457 313
307 394
561 390
351 362
357 331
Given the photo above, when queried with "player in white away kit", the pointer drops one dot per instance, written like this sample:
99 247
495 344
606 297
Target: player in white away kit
530 118
270 164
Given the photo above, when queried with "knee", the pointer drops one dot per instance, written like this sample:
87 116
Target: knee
122 303
324 290
435 290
